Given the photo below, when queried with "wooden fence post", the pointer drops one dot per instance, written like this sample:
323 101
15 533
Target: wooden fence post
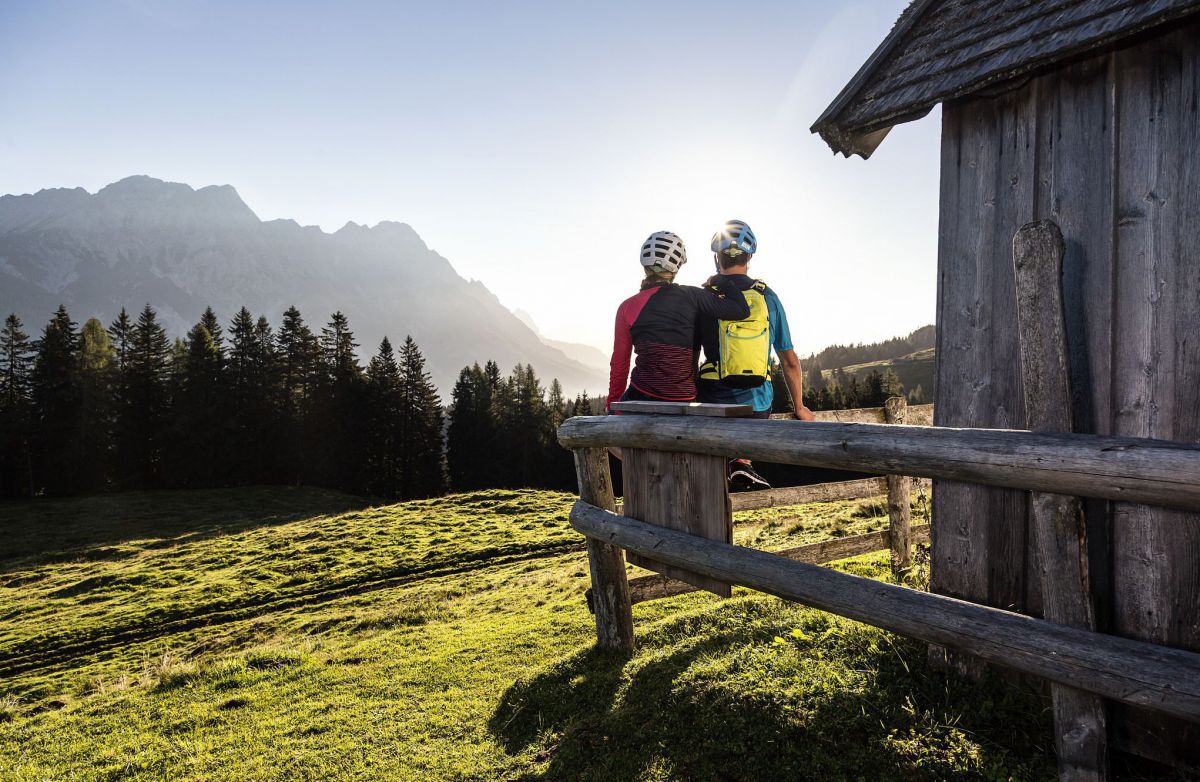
1060 542
899 497
610 587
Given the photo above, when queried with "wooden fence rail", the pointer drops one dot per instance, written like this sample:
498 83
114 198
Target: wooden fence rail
816 492
1128 469
1134 672
656 585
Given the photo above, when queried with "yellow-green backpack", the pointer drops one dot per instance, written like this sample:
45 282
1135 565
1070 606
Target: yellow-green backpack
745 345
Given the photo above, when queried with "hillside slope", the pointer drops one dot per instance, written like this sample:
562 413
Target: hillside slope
302 634
143 240
914 369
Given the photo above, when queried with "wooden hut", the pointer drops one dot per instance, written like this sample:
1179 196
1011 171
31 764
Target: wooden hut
1085 112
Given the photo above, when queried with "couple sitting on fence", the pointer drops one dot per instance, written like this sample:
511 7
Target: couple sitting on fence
736 319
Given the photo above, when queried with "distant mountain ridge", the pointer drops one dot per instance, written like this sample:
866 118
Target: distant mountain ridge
181 249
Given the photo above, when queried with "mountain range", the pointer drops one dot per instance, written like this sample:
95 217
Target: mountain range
142 240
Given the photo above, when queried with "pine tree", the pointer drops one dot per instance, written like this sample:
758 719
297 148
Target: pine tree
465 444
209 321
56 395
492 394
421 448
253 399
142 418
560 461
120 333
814 378
890 385
383 461
872 390
200 414
97 379
300 376
525 429
16 364
338 346
339 422
582 405
854 393
269 402
781 402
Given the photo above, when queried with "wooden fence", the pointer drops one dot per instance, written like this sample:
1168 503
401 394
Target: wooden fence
899 537
1121 468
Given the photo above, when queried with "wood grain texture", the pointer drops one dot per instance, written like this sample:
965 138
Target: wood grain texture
817 492
679 491
1133 469
918 415
645 588
988 186
1076 147
1136 672
1156 351
1056 520
683 408
610 586
899 490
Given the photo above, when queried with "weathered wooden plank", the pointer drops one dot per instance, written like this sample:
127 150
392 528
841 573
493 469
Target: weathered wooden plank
653 587
1132 469
1059 535
610 586
1135 672
988 185
817 492
683 408
899 499
1076 149
1156 355
956 562
680 491
918 415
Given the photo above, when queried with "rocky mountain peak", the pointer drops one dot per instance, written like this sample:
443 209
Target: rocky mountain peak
181 249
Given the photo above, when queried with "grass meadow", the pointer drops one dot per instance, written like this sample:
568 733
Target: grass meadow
300 634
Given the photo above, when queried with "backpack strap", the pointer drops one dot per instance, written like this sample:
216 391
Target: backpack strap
760 286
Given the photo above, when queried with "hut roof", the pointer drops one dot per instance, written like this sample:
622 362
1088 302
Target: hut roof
943 49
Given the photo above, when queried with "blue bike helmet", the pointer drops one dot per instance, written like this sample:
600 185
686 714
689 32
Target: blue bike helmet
734 239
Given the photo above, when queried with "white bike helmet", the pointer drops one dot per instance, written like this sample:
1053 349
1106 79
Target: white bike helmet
664 250
735 238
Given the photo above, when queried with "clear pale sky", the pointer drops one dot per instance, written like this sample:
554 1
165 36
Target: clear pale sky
535 145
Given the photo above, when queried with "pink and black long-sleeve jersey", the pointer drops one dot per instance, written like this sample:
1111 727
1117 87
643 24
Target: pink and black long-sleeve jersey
659 326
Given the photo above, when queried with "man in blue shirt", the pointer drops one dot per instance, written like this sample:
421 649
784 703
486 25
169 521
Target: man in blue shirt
733 246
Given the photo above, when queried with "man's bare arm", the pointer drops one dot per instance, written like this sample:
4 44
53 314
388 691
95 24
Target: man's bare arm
792 376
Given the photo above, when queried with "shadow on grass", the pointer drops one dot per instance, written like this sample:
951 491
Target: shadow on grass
727 702
38 532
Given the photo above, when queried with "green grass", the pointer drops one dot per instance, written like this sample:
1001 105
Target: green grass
300 634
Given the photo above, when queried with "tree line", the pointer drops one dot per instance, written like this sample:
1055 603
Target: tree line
849 355
96 408
841 390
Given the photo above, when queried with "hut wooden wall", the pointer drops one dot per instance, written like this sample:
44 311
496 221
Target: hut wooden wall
1110 149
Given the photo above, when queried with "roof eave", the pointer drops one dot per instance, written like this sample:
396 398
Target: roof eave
826 126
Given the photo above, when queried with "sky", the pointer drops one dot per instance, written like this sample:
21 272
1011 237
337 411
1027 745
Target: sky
533 144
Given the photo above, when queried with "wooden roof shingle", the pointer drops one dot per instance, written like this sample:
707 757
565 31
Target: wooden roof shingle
943 49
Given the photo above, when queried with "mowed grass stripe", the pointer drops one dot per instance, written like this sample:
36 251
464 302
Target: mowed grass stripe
63 654
199 573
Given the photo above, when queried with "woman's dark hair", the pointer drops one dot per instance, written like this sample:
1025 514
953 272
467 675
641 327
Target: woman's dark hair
656 277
